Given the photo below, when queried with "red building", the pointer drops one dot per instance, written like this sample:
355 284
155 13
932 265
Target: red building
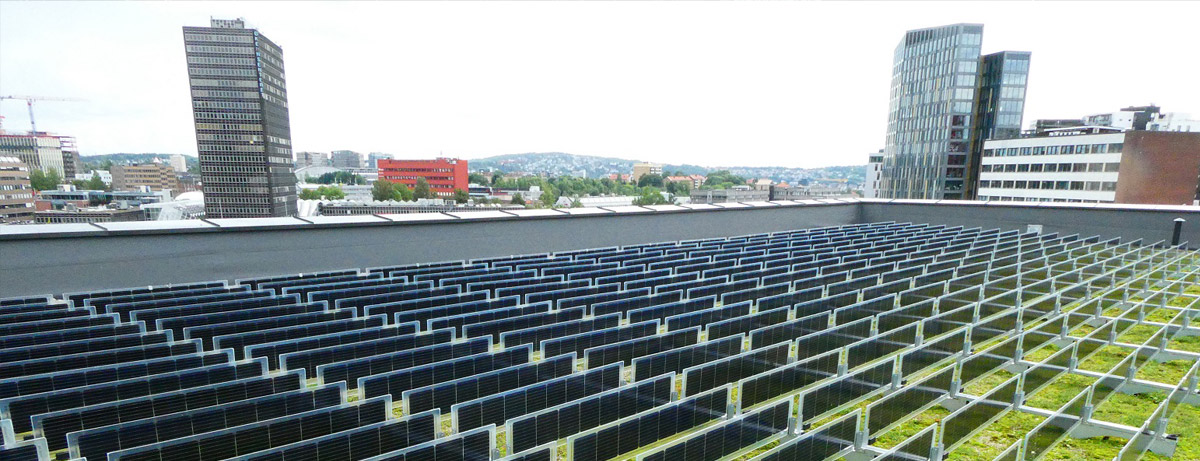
444 174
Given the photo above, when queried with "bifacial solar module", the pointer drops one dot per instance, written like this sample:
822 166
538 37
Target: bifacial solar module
676 360
650 426
499 408
178 324
92 359
33 384
702 318
359 443
566 419
351 370
790 379
822 443
254 283
626 351
442 395
443 363
702 377
82 346
663 311
460 321
210 331
96 443
747 430
745 323
403 307
579 342
536 335
474 445
263 435
309 359
495 328
46 326
238 341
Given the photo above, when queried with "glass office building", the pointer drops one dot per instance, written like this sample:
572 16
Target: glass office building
243 135
943 103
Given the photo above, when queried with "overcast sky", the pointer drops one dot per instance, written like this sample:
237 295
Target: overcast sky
713 83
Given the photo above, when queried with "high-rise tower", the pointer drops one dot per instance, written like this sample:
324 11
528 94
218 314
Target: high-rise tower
945 100
239 100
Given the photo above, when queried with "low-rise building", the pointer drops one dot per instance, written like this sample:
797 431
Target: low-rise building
105 176
67 195
874 174
1093 164
736 194
350 208
88 215
345 159
16 192
598 201
642 169
152 176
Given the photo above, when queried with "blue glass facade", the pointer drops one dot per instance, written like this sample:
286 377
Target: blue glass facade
935 111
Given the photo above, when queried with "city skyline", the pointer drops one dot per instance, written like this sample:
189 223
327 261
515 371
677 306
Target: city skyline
548 79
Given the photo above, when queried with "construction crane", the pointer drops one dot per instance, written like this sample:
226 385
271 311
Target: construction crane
29 101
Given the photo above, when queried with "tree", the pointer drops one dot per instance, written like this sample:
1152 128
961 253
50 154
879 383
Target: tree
422 189
44 180
576 203
96 183
309 194
403 193
340 177
721 177
383 190
461 196
496 178
517 199
678 187
650 180
650 196
478 178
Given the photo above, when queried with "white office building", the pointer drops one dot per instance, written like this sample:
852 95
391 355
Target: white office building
1079 164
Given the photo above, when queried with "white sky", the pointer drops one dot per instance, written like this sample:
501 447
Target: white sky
713 83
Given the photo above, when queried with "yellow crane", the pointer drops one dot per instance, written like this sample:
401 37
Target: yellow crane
29 101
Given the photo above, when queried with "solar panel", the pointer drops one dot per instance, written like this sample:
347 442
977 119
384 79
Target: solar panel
184 400
703 317
490 276
151 316
578 342
333 296
80 298
602 276
626 351
833 338
706 376
753 294
25 328
420 268
97 442
864 309
745 431
789 330
26 450
687 286
41 408
551 288
776 382
547 452
474 445
663 311
578 267
123 305
551 424
41 315
441 366
585 290
589 300
208 332
823 399
676 360
427 313
497 408
22 300
824 442
654 282
254 283
720 289
823 304
637 302
33 384
745 323
629 433
495 327
460 321
536 335
361 302
83 346
442 395
92 359
179 324
302 287
401 307
308 359
352 370
881 345
262 435
239 341
359 443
